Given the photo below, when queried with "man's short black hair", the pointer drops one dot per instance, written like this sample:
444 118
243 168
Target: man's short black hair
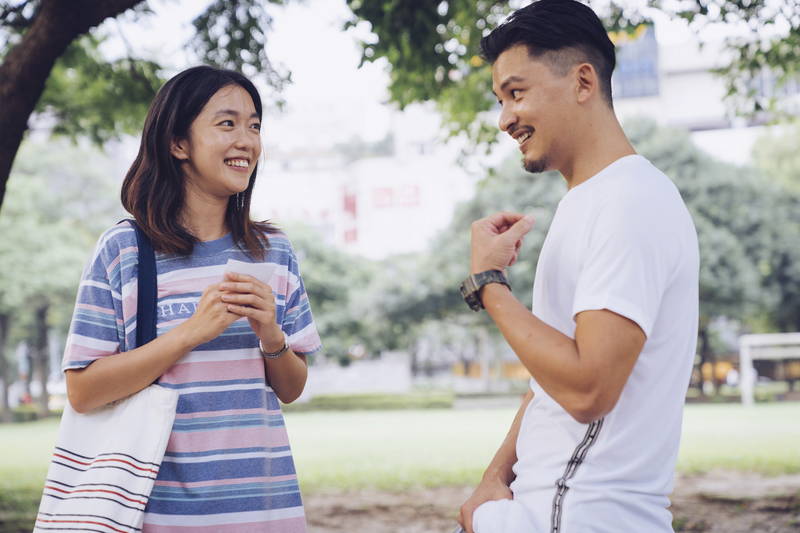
563 32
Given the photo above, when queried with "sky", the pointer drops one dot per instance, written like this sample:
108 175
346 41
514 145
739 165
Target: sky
330 101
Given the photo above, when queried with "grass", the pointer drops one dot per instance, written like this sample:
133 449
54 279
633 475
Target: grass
764 439
397 450
394 450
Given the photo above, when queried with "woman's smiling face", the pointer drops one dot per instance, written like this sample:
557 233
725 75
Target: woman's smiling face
223 145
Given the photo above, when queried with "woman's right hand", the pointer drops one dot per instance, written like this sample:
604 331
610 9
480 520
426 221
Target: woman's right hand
211 317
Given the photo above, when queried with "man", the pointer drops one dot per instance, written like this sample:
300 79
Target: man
611 337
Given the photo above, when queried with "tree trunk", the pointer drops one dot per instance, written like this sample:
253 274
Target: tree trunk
27 65
41 357
485 358
706 357
5 408
28 375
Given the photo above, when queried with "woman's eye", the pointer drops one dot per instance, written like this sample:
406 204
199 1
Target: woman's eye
228 123
256 126
515 93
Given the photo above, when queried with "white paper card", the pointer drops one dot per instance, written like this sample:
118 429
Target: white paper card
261 271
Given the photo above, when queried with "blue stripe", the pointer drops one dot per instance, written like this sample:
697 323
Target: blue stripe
275 487
226 492
198 402
226 469
224 506
190 384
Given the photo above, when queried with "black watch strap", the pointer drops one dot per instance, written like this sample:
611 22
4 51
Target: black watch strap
471 287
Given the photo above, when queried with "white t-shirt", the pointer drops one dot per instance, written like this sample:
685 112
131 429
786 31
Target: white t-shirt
623 241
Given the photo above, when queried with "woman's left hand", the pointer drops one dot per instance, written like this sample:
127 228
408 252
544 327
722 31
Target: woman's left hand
248 297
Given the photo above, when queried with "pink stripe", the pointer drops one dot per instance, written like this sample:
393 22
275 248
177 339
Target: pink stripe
171 323
129 302
254 411
306 343
180 286
286 525
215 482
76 351
95 308
116 261
112 264
214 371
201 441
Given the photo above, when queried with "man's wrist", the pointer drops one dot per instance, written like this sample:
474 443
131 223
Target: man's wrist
504 475
472 287
491 291
476 268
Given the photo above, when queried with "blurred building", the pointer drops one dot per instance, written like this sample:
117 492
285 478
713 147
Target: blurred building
675 84
375 204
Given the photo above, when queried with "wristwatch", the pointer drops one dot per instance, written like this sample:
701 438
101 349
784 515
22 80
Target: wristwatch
273 355
471 287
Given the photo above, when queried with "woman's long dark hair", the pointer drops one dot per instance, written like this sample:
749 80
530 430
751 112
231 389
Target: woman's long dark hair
153 189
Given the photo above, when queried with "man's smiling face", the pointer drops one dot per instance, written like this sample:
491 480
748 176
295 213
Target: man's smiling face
537 105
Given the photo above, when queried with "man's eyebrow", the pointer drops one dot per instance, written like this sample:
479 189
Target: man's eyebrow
508 81
232 112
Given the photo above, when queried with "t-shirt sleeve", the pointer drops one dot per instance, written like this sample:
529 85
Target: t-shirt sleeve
97 328
628 263
298 322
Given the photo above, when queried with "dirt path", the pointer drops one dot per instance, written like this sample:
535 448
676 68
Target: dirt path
720 502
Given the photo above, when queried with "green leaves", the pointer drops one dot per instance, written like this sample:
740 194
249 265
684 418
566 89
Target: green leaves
433 50
89 96
233 34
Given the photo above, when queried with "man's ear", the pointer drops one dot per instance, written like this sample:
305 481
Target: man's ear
179 148
586 82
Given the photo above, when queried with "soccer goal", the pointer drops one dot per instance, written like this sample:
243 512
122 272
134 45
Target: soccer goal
769 346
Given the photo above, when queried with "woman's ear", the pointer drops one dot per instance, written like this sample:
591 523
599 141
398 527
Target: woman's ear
179 148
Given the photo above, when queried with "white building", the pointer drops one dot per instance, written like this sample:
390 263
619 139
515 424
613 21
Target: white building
675 85
373 206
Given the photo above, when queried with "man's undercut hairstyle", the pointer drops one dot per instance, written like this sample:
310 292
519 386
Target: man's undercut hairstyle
561 32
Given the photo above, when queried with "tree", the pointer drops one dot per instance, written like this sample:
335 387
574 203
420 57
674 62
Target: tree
51 65
62 197
334 280
775 153
749 266
433 49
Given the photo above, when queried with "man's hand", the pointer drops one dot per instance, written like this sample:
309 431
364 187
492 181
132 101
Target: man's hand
496 240
489 489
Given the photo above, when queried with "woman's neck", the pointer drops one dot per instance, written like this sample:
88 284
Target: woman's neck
204 216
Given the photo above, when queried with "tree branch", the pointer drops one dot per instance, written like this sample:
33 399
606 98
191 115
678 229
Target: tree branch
26 67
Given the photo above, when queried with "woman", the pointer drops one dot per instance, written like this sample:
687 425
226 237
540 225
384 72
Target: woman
230 343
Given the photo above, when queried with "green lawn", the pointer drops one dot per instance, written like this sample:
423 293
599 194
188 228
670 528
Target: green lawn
393 450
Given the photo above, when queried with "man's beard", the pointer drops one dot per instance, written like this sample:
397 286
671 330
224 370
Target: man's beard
535 166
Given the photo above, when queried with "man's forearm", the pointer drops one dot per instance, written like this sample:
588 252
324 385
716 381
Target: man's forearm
549 355
503 461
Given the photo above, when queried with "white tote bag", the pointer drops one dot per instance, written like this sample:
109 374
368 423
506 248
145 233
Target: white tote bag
105 463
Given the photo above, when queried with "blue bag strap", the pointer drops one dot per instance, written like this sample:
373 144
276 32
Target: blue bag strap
146 298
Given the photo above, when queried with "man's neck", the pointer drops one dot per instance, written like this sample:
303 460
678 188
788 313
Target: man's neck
595 150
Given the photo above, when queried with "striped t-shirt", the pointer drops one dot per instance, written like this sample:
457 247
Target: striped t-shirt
228 466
